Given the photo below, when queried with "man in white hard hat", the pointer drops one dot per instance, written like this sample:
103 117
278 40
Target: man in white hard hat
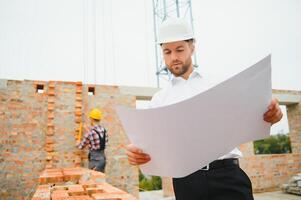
222 179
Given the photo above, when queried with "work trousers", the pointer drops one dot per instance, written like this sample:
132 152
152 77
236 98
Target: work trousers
97 160
226 182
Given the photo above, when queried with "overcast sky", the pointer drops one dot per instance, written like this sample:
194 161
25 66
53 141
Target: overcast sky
112 41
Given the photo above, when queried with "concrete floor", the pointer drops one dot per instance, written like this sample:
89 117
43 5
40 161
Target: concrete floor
154 195
278 195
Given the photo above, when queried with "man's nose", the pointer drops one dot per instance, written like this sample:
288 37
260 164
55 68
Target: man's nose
174 57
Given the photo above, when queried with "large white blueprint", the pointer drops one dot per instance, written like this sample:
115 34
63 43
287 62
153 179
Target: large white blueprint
183 137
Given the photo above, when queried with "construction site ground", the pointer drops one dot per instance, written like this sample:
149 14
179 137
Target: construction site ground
277 195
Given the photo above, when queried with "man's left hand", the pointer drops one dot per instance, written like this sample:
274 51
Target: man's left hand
274 113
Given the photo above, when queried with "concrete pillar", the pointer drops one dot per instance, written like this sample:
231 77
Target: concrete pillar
167 187
294 120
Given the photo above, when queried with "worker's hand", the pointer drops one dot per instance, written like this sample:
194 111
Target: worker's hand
274 113
85 128
136 155
77 142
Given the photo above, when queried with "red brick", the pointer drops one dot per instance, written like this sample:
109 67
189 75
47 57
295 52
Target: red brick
78 90
49 157
51 100
51 176
49 140
51 84
51 93
59 194
48 166
78 119
107 188
50 115
49 148
50 107
93 190
79 83
81 197
78 105
75 190
78 113
78 98
50 125
105 196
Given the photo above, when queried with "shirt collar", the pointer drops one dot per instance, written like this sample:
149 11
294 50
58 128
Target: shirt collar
194 73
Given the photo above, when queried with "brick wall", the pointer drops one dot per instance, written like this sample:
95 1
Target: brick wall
60 145
294 117
39 131
269 172
23 122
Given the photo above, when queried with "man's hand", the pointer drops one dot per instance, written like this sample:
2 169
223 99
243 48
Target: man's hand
85 128
136 155
274 114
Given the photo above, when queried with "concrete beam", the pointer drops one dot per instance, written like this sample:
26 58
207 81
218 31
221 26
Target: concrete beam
141 93
3 84
146 93
287 99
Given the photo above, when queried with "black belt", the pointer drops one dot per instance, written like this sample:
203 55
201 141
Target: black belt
221 163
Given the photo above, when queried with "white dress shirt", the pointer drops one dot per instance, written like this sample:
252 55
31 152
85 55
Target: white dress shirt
179 89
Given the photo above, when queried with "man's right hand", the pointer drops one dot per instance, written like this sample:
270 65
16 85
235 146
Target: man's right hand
85 128
136 155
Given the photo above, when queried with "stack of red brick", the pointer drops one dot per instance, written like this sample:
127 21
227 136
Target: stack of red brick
77 184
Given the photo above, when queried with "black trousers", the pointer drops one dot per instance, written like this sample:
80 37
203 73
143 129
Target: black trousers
228 182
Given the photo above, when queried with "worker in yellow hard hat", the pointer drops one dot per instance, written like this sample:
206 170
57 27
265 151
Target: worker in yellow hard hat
96 138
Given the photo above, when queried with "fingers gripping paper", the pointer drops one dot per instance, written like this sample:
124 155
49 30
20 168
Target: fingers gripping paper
182 138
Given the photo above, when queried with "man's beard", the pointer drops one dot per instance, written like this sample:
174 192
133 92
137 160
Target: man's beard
181 69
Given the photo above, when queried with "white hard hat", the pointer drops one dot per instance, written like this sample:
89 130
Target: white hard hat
174 29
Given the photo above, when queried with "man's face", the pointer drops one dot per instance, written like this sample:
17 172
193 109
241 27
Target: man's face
177 56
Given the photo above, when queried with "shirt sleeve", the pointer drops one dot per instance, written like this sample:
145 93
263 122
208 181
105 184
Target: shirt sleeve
85 141
106 134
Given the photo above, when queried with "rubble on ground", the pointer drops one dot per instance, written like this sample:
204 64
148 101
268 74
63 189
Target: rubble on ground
294 185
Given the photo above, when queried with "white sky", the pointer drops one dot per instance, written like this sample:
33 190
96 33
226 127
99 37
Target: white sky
234 34
112 42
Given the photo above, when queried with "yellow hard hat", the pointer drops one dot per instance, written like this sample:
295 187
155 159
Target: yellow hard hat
95 114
